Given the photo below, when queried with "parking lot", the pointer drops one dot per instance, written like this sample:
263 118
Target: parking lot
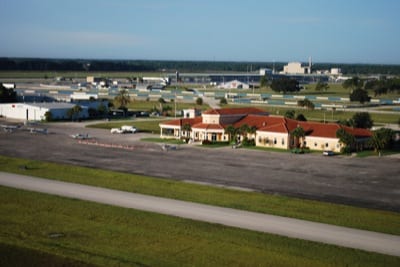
369 182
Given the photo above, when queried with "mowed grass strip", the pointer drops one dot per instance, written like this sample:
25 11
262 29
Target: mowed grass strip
111 236
361 218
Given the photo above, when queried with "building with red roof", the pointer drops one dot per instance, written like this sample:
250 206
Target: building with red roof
267 131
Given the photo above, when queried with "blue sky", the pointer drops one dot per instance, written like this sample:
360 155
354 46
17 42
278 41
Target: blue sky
338 31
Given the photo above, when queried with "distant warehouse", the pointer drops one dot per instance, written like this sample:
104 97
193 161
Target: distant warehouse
37 111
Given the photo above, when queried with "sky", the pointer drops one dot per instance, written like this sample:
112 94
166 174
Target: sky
335 31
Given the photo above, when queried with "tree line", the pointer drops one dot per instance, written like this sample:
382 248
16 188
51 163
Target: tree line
42 64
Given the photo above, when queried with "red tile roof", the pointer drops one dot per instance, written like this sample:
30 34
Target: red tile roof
181 122
207 126
317 129
252 120
357 132
276 128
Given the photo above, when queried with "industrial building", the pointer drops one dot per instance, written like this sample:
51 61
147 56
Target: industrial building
37 111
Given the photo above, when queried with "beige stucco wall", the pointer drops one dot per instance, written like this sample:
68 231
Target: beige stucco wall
210 118
201 134
176 131
271 139
320 143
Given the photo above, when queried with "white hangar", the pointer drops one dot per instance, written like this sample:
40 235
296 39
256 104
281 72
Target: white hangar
37 111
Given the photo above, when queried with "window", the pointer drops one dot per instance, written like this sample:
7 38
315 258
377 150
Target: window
283 141
274 141
315 144
326 144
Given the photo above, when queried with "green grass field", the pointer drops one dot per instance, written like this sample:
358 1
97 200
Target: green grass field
54 229
65 232
374 220
149 105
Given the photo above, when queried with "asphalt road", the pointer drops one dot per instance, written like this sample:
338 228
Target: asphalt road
372 182
341 236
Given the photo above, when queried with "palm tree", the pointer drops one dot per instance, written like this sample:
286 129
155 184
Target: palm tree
347 139
252 130
231 130
187 128
298 133
74 112
381 138
244 129
122 99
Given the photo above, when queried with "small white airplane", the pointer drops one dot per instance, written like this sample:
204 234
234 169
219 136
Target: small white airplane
80 136
9 128
38 130
167 147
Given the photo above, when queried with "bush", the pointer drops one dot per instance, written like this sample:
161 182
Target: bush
206 142
248 142
223 101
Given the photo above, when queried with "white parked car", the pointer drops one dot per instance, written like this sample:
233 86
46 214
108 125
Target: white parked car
128 129
328 153
116 130
124 129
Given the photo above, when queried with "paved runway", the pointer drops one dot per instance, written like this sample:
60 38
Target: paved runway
294 228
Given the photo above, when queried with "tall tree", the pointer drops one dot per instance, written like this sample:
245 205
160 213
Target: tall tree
353 83
199 101
244 129
290 114
348 140
321 86
298 134
231 131
301 117
360 95
306 103
122 98
381 139
73 113
285 84
362 120
187 128
264 81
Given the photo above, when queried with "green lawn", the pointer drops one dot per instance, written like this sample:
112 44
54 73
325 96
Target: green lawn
374 220
37 225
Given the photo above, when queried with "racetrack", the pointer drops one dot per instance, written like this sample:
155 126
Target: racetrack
341 236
